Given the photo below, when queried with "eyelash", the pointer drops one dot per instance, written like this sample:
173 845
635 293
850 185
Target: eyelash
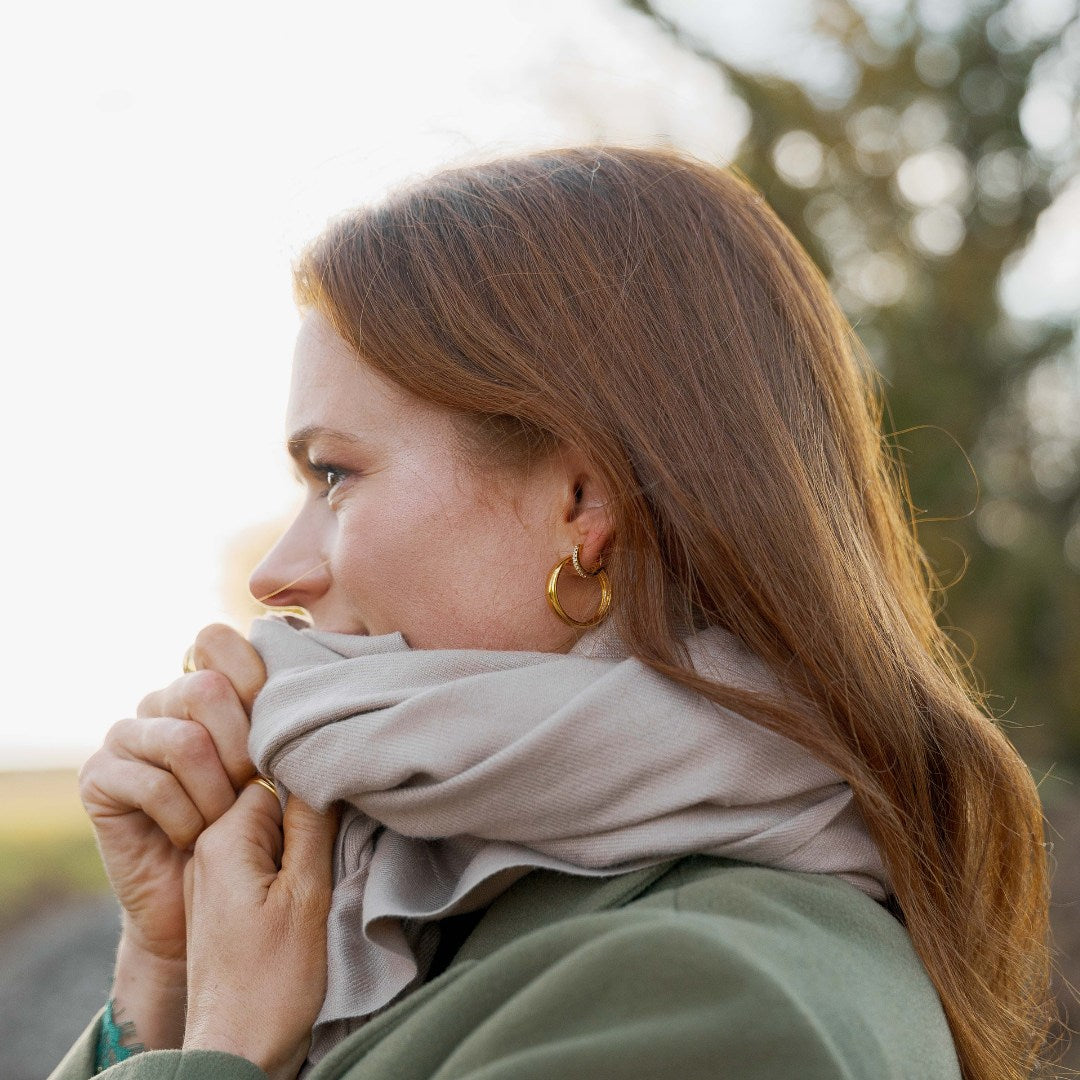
323 471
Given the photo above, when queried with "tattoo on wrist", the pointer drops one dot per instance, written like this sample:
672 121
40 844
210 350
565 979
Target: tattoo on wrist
116 1039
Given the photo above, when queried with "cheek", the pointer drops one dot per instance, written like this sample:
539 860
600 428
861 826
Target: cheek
445 566
464 562
397 546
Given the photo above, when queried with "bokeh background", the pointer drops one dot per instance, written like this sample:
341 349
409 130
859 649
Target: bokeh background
164 166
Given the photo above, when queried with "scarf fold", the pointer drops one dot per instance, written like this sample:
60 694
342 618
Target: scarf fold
462 770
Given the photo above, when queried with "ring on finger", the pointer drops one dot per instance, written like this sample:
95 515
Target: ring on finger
266 782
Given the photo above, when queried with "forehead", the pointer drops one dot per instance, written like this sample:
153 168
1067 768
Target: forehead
333 388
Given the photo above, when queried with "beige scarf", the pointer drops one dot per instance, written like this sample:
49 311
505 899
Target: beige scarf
462 770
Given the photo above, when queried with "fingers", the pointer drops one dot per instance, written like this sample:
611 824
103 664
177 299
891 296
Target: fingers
208 698
218 695
166 767
262 808
182 749
221 648
112 787
246 844
184 757
307 862
255 838
257 933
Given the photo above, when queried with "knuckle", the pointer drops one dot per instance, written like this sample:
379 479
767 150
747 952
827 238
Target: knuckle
214 638
189 740
160 786
118 734
152 704
206 689
87 780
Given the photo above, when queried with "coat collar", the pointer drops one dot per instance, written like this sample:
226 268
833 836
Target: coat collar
549 896
539 899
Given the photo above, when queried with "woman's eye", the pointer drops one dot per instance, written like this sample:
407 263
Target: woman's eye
329 475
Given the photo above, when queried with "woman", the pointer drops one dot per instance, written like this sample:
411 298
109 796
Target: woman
622 664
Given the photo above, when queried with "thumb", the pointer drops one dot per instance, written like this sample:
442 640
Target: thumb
309 843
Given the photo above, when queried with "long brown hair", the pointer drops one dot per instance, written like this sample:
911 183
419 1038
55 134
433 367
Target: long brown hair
653 312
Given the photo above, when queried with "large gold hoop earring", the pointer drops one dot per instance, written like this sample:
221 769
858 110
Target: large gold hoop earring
553 591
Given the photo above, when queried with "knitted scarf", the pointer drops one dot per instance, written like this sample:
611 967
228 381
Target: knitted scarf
462 770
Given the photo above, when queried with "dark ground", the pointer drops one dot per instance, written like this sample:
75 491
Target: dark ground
55 962
55 967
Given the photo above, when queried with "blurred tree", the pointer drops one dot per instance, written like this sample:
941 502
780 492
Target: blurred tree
914 185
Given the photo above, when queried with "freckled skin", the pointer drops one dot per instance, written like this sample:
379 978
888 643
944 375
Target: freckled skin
410 538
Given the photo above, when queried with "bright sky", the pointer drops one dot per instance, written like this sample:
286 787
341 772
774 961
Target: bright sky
163 165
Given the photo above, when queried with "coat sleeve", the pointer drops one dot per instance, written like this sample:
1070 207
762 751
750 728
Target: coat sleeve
78 1063
664 999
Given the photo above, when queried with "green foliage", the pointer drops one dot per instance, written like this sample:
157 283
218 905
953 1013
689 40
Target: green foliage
35 871
913 192
47 848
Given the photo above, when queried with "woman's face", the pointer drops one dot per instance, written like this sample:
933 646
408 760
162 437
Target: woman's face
396 533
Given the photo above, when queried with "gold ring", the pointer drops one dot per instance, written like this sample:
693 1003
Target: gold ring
189 660
266 782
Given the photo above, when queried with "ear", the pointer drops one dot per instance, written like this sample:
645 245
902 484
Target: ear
586 517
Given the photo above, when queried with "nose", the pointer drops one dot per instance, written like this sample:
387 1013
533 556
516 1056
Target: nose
295 572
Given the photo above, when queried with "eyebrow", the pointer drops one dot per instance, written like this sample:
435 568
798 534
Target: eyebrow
298 443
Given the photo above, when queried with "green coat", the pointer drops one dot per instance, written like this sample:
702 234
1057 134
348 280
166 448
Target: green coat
697 968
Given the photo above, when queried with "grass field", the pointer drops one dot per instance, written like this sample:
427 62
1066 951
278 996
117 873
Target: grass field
47 848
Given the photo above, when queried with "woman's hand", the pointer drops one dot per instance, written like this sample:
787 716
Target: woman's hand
258 894
157 782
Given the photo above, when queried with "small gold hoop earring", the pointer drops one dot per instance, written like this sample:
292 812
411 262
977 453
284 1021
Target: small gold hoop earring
579 569
553 592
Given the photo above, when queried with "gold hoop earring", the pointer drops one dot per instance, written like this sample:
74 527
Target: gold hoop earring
553 591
